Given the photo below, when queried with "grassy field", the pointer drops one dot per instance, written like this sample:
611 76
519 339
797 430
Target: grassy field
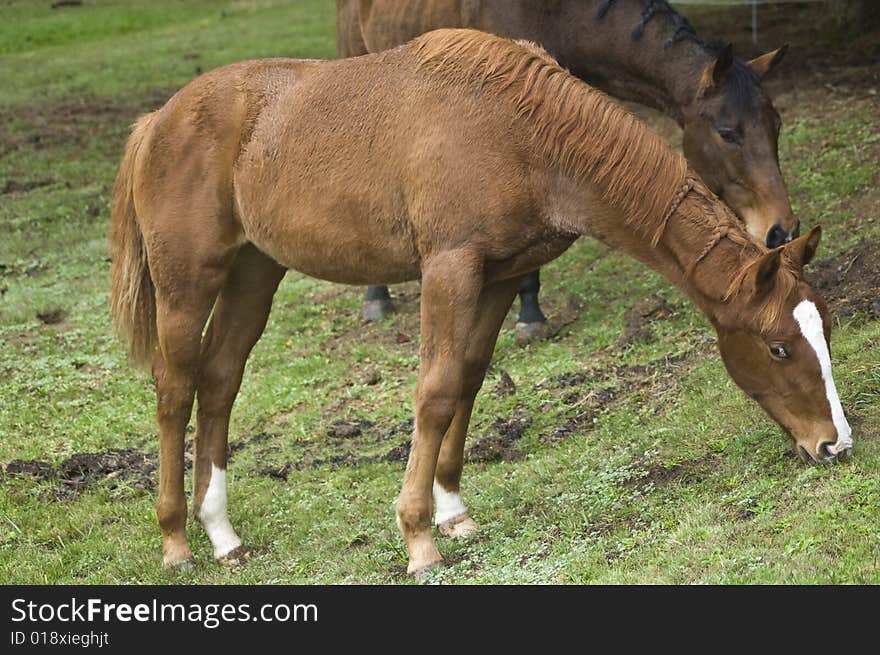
597 456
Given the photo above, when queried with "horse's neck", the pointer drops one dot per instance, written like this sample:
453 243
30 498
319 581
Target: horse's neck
702 249
681 254
648 69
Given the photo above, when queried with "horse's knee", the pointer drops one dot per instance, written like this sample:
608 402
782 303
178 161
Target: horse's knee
435 410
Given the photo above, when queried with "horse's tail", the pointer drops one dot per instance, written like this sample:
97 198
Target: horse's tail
132 294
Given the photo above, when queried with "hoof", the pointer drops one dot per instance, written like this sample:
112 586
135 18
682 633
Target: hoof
177 555
236 557
182 566
529 332
423 559
459 527
422 574
374 310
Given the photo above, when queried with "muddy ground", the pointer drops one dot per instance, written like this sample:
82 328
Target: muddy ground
850 282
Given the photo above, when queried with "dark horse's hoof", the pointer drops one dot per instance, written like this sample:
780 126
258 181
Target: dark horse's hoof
376 309
530 332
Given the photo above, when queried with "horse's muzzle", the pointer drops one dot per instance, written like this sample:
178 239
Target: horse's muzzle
828 453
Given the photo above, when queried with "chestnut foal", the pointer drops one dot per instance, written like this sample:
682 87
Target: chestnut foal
460 158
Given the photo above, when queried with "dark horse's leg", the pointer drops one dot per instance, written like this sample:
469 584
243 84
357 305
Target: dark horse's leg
237 323
451 515
531 322
377 303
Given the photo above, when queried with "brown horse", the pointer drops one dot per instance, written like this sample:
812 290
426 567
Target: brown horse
462 159
639 50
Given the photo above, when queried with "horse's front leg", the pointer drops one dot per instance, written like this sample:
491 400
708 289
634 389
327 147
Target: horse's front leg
451 514
451 285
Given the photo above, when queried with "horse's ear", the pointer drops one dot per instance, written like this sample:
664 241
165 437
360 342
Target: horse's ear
801 251
715 73
768 61
762 275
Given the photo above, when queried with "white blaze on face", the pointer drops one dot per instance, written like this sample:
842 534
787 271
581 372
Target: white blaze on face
213 515
807 316
448 505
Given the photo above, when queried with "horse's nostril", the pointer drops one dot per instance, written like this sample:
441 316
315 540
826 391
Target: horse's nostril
777 236
824 451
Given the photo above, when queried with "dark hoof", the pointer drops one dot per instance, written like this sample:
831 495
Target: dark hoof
530 332
374 310
236 557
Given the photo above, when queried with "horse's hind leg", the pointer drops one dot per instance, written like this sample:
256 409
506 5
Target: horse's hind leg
451 515
185 292
237 323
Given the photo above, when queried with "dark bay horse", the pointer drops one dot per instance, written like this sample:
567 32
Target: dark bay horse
461 159
639 50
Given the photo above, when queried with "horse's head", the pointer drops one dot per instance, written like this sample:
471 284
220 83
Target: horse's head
774 337
730 138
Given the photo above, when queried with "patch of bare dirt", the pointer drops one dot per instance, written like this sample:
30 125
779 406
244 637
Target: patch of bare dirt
650 475
505 386
611 385
52 316
348 429
76 473
345 439
501 443
638 322
850 282
15 186
37 469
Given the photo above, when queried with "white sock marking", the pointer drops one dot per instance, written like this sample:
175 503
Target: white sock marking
810 322
448 505
213 515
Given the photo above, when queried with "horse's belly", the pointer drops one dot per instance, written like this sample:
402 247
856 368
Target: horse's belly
329 248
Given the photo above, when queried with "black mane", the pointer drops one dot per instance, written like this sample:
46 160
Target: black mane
681 28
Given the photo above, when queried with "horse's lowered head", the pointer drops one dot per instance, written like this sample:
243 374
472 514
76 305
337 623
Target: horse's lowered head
774 338
730 137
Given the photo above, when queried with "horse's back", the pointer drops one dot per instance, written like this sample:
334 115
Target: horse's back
364 26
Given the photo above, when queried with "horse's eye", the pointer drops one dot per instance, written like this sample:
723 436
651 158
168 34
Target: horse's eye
779 352
728 135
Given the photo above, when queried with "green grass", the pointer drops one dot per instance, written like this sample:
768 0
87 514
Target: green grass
680 479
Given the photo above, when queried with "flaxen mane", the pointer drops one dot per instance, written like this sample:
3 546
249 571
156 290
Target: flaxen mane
577 127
